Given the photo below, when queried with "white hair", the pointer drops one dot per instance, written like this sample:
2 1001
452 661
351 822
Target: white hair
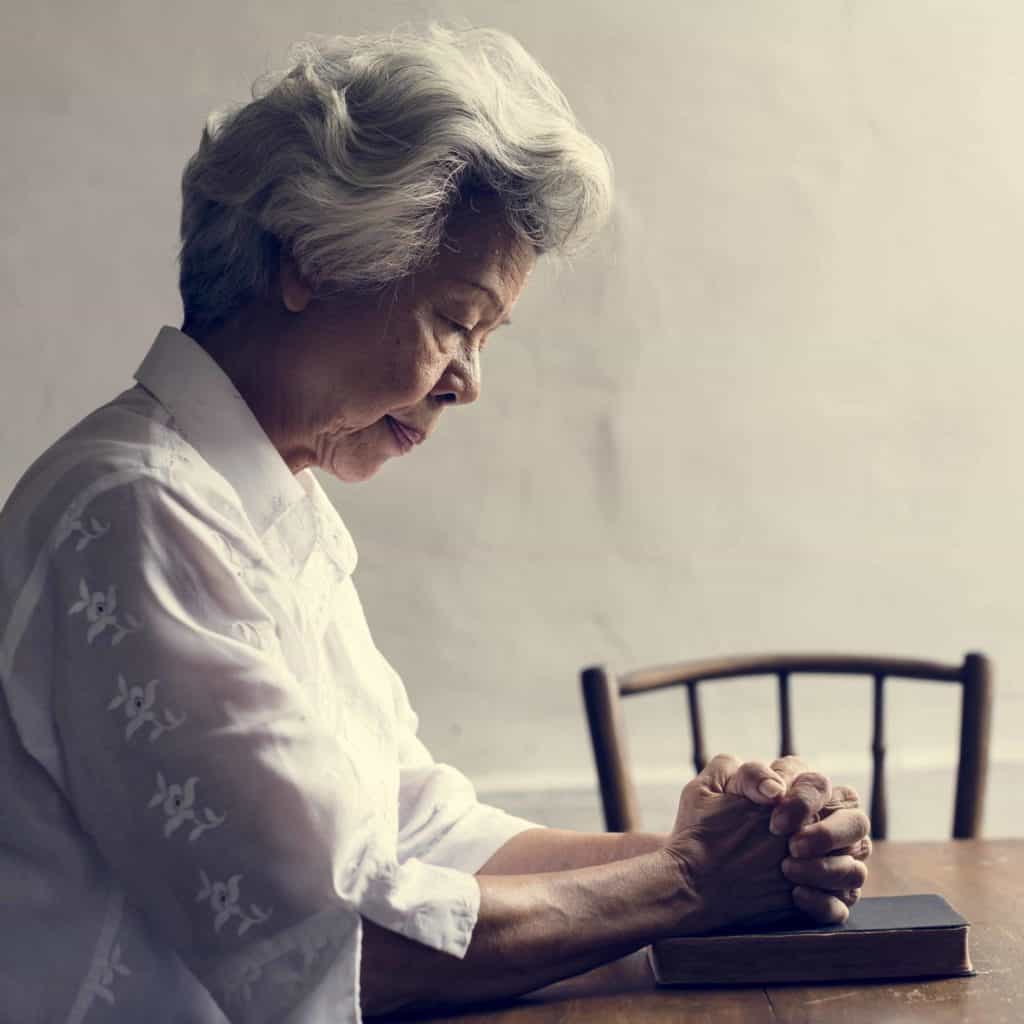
353 158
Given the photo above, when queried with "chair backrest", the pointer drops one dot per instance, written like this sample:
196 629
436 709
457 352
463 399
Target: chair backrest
602 693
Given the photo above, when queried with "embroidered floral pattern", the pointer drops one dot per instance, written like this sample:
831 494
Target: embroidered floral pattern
223 899
181 808
137 702
242 990
100 609
87 533
178 803
288 972
104 973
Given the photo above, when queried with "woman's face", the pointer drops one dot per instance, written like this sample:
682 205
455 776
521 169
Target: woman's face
355 381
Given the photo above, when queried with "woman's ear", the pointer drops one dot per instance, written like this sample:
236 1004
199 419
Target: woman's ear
295 292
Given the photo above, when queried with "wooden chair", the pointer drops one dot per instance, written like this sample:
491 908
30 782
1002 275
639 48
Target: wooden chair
602 695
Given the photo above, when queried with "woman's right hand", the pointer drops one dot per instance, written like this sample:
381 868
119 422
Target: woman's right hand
722 842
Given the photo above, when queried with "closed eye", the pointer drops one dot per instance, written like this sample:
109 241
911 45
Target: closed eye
456 326
463 331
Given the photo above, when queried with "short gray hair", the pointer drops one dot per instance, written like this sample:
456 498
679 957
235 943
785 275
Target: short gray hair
353 158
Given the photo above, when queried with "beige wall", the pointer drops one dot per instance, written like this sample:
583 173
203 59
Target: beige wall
776 408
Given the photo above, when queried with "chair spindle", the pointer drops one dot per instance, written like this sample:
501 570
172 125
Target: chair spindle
879 808
786 724
696 728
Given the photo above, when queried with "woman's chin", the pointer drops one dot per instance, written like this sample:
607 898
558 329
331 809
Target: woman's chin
355 473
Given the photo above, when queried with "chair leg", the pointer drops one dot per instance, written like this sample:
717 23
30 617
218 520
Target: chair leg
975 720
618 796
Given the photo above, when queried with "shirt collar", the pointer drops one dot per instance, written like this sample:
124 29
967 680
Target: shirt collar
213 417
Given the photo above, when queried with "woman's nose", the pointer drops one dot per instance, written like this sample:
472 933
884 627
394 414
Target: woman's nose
460 383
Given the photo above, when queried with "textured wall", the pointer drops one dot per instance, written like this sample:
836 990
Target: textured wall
775 408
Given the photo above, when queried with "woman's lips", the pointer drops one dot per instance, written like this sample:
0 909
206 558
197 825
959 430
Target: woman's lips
405 436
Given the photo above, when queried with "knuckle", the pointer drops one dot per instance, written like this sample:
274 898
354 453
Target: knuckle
814 781
861 849
721 762
862 824
844 796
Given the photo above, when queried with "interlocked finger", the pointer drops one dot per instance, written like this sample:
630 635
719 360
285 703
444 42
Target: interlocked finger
839 831
789 767
859 850
808 794
842 798
834 874
824 907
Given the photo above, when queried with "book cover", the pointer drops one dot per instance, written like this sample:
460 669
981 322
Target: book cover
885 937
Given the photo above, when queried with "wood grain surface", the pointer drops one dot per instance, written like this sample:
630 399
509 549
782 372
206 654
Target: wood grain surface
982 879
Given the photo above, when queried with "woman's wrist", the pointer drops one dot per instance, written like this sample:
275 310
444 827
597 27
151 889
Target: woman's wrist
636 844
680 854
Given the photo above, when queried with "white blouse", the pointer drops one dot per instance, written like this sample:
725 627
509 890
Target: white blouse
208 772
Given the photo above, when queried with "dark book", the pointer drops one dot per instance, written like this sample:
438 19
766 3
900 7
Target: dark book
884 937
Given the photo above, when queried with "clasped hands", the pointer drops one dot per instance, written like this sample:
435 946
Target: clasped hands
755 840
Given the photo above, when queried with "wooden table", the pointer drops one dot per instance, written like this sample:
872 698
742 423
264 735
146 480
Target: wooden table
983 879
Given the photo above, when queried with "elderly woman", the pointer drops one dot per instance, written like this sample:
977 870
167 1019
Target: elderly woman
215 804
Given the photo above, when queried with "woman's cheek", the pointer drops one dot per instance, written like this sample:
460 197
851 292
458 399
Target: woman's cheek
420 380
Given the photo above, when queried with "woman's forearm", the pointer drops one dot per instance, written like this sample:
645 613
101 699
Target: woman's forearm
532 930
552 849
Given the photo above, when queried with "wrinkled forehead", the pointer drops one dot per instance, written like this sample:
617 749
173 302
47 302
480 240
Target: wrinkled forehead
478 239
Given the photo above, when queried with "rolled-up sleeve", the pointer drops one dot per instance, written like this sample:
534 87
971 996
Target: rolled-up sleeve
197 760
441 820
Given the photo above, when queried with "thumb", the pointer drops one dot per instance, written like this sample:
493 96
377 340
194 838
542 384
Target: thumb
757 782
